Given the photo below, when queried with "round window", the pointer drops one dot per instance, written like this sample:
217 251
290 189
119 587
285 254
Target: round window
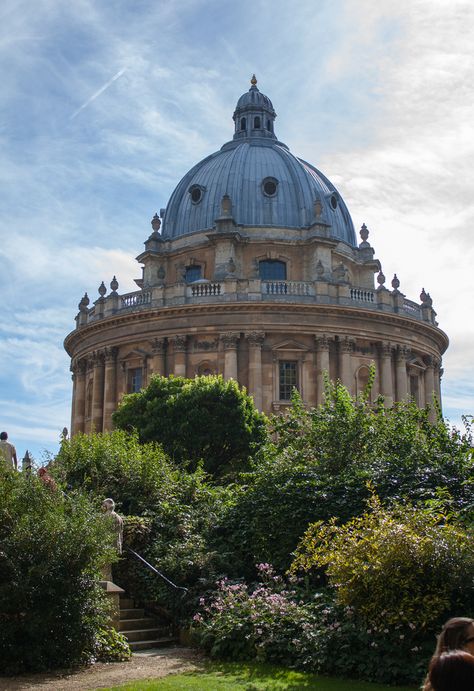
333 202
196 194
270 187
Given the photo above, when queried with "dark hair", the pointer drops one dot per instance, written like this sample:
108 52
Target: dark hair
451 670
3 436
454 635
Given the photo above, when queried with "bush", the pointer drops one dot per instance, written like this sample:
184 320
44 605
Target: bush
115 464
203 419
51 552
111 646
403 566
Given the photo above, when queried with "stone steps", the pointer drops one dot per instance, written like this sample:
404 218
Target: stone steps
142 631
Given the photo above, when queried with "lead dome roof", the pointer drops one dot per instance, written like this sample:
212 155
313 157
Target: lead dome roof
267 184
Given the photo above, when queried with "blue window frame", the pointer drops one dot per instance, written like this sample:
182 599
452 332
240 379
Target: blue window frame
135 379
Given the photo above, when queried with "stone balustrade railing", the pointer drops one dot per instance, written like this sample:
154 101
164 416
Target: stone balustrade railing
138 298
287 288
234 290
199 290
363 295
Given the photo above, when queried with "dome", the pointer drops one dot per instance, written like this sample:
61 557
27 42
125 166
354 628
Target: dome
267 184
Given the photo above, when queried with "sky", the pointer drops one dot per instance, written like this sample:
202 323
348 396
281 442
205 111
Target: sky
105 106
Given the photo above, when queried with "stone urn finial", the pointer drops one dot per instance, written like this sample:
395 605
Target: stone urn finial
156 223
395 282
102 289
226 206
114 285
364 232
380 278
84 303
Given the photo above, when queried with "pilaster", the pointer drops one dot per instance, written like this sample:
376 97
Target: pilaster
255 341
230 340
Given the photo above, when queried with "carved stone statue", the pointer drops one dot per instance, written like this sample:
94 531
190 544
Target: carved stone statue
108 508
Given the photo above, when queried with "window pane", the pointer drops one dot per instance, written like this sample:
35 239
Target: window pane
272 270
288 380
136 378
193 273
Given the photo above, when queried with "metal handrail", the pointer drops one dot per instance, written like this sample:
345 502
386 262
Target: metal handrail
155 570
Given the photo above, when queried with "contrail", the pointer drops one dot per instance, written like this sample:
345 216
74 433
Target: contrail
97 93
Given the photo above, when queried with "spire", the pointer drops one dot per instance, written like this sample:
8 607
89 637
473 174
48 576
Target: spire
253 81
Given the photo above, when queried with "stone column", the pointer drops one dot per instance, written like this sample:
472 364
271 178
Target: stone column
110 387
402 378
98 393
230 341
386 381
346 348
158 359
438 373
322 348
179 349
79 397
255 339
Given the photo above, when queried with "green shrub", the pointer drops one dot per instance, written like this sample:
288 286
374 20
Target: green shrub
51 551
115 464
398 566
111 646
202 419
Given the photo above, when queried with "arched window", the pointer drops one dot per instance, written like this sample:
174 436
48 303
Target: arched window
135 379
269 125
243 124
415 388
256 122
192 273
272 270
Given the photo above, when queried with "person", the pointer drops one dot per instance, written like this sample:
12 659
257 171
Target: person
452 670
8 451
456 634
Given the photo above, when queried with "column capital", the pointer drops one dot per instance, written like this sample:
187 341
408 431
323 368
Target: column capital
429 361
179 344
386 349
230 340
98 358
403 353
158 346
347 345
255 338
78 367
323 342
110 354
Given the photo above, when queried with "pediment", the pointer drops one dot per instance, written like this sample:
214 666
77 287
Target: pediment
289 344
133 354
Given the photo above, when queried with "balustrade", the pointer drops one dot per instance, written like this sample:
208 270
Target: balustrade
136 299
362 295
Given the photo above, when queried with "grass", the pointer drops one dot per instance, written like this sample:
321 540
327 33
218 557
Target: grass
251 677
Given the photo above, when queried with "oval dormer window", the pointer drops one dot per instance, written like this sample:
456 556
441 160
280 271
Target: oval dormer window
270 187
333 202
196 192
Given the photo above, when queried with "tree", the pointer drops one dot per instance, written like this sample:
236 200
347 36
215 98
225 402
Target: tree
205 418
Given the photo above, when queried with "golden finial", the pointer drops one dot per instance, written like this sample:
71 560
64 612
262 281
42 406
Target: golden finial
253 81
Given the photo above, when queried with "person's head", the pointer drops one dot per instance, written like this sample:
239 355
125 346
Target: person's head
456 634
3 436
452 671
108 505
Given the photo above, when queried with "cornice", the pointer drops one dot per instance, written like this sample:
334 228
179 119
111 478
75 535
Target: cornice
78 336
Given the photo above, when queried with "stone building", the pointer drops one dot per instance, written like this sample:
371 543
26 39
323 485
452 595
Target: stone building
253 270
